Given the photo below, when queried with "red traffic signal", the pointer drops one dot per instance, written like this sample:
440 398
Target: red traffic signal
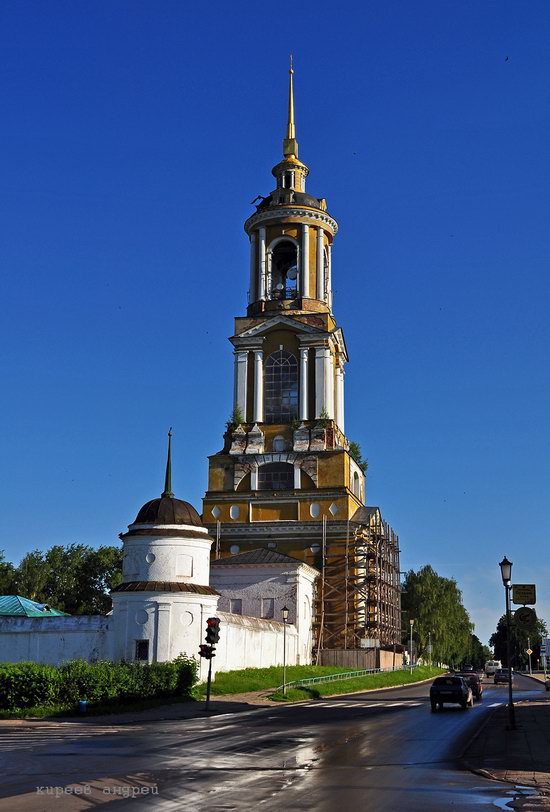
206 651
212 630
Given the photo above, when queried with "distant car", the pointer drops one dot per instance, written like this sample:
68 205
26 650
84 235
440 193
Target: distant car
467 668
452 689
473 681
491 666
501 675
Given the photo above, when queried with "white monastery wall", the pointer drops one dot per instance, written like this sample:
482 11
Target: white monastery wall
54 640
251 642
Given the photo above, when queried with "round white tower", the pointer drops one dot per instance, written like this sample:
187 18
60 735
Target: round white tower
161 606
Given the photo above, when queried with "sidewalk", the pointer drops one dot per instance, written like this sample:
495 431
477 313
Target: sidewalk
521 756
232 703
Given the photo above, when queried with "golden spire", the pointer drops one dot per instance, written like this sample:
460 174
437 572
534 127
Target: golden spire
290 145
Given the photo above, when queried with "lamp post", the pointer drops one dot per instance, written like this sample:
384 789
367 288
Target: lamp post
430 647
506 573
411 621
284 613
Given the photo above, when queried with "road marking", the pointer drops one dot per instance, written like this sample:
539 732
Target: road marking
405 703
42 738
495 705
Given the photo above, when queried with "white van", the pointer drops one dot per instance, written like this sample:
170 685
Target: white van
491 666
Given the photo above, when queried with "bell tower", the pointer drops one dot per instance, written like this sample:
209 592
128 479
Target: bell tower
285 478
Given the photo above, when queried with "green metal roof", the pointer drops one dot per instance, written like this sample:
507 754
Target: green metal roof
16 606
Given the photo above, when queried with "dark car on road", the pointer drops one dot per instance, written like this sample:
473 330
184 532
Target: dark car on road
451 689
501 675
473 681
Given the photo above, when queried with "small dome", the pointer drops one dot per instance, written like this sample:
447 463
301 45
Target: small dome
168 510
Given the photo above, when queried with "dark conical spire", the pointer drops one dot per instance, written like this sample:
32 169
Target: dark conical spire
168 478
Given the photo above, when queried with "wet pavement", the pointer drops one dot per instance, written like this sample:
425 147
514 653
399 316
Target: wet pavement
380 750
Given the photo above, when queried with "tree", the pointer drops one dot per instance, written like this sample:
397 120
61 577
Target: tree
478 654
519 638
75 579
355 453
7 576
435 605
31 576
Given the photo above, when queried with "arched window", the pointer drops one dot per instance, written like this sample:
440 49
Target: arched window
276 476
284 270
281 387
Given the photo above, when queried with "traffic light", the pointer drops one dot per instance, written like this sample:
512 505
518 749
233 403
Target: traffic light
212 630
206 651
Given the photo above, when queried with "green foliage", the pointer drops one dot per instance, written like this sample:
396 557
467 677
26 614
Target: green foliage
75 579
478 654
256 679
355 452
235 419
24 685
519 638
435 605
324 419
7 576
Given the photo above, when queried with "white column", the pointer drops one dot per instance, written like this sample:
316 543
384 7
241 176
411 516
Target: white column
254 479
253 287
339 399
304 270
258 416
297 476
161 647
329 383
261 262
304 377
319 380
320 266
241 376
329 276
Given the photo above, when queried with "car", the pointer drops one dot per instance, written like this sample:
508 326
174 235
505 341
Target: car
502 675
473 681
467 667
450 689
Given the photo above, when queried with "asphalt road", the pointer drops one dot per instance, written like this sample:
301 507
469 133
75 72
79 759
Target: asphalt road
376 751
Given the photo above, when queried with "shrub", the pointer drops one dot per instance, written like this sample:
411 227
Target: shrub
24 685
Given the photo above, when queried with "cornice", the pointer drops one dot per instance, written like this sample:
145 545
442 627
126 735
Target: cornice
298 212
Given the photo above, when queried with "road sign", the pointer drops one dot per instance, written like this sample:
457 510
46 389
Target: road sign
529 651
525 618
524 594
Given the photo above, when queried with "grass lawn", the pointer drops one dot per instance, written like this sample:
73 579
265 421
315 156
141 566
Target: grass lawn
259 679
262 679
365 683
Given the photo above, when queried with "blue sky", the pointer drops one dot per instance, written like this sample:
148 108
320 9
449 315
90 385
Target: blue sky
134 136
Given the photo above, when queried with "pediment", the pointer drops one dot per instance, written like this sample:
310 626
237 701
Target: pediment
281 321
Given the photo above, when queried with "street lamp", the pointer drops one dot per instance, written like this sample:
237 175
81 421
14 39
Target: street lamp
411 621
284 613
506 572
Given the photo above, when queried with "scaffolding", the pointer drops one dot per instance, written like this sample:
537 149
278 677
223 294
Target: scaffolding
358 601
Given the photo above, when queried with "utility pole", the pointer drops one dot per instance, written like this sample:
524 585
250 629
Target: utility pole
411 621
